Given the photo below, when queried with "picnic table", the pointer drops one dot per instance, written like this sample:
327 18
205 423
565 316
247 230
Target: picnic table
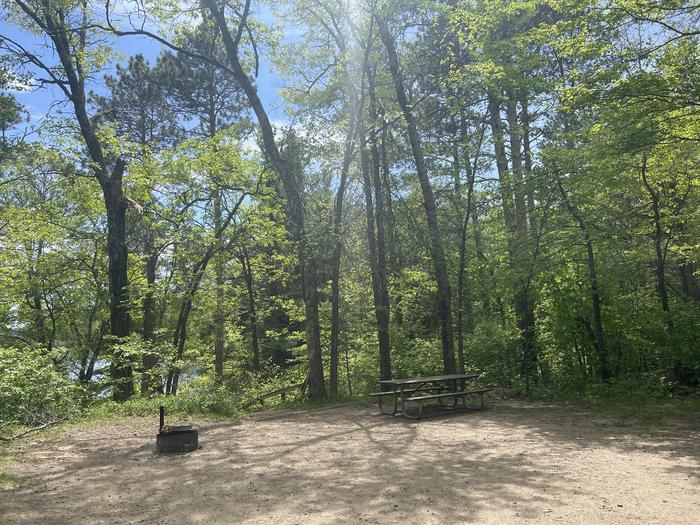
416 390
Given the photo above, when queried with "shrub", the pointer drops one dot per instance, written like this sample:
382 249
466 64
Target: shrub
32 391
198 396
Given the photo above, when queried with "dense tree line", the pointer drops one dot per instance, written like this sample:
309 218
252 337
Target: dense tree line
503 186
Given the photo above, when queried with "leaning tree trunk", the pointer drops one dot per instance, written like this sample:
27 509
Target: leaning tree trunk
437 250
317 387
180 334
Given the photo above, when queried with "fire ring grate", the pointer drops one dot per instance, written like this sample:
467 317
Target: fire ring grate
176 438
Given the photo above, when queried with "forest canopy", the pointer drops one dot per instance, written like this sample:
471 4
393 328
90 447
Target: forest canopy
497 186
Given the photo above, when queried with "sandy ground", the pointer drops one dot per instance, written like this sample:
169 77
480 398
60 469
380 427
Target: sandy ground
512 463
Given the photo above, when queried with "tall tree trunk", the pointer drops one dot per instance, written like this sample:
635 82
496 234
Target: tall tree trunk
381 300
337 251
380 313
523 298
150 359
436 247
252 310
658 246
527 160
53 23
598 332
481 256
317 387
516 161
506 184
220 319
36 300
392 237
354 108
515 218
464 295
119 318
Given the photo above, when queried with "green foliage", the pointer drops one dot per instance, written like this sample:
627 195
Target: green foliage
200 397
649 397
607 183
32 391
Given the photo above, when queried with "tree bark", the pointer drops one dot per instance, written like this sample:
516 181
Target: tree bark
53 22
598 332
436 246
337 251
380 313
150 359
464 295
317 387
658 247
220 319
118 256
381 300
252 310
515 218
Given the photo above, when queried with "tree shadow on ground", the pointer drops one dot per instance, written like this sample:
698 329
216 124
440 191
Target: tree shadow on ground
334 467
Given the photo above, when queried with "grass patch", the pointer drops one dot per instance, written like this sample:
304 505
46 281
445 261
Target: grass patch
649 399
8 481
13 482
215 403
649 410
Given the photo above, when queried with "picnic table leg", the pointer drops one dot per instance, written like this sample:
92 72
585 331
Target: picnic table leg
403 404
381 407
455 390
446 387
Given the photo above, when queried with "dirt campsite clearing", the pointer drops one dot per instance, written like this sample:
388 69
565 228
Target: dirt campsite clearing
516 462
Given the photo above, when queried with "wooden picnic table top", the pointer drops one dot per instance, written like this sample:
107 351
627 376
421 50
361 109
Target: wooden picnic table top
427 379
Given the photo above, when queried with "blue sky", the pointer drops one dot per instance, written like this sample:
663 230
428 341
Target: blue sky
38 102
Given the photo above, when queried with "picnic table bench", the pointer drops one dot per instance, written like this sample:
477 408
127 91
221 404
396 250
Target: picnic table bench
416 390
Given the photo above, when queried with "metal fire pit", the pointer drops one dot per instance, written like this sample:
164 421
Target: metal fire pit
176 438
